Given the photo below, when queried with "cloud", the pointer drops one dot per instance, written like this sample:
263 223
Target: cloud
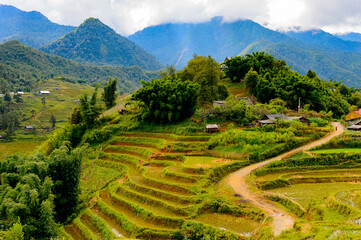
128 16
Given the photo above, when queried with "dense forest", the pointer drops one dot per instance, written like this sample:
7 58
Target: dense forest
22 67
268 78
94 43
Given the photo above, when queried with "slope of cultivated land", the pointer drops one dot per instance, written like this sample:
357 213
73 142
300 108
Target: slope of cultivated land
281 219
164 182
320 188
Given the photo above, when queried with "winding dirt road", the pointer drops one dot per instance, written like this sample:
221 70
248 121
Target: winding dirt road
237 180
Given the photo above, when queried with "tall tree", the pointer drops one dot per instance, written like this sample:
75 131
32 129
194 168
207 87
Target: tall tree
90 110
52 121
109 95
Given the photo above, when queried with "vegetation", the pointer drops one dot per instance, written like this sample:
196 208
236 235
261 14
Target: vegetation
167 100
110 93
268 78
23 74
95 43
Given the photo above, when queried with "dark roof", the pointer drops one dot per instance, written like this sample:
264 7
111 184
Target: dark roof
274 117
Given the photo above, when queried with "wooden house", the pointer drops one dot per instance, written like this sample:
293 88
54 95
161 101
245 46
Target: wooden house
212 128
219 103
273 118
353 117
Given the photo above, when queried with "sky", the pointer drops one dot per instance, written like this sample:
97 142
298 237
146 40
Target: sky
129 16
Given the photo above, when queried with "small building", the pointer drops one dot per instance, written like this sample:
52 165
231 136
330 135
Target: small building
353 117
219 103
44 92
11 93
273 118
20 93
354 128
212 128
29 128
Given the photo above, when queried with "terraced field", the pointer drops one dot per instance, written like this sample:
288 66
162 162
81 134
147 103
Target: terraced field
167 184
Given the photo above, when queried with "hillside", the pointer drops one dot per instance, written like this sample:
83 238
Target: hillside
350 36
175 43
330 56
22 67
325 40
328 65
95 43
31 28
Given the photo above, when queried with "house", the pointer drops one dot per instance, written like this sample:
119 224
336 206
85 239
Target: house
11 93
212 128
248 101
353 117
20 93
29 128
356 126
219 103
273 118
44 92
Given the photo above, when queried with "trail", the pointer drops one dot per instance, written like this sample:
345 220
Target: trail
237 180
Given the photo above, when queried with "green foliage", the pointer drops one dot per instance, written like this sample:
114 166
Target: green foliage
109 95
195 231
15 232
64 169
89 109
166 100
94 43
23 73
9 118
268 78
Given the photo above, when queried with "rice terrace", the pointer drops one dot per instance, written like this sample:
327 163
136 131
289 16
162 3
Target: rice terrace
180 120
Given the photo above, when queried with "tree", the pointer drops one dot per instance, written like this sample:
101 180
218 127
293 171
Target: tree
251 80
167 100
206 72
89 110
7 97
109 95
18 98
43 100
52 121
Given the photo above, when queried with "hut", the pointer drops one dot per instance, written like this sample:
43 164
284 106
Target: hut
219 103
44 92
212 128
353 117
29 128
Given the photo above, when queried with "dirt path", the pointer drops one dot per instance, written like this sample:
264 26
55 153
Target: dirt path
281 219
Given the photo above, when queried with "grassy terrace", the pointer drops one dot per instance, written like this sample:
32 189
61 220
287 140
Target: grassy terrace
153 184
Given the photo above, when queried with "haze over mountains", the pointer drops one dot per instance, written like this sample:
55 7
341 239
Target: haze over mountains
94 43
31 28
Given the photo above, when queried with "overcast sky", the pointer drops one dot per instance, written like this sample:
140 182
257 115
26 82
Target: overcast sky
129 16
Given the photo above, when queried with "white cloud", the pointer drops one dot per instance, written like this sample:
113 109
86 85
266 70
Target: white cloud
128 16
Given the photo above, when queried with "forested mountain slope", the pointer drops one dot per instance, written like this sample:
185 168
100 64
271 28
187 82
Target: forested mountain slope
31 28
95 43
22 67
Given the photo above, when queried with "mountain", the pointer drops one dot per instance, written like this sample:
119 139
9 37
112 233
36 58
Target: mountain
350 36
31 28
94 43
22 68
322 39
175 43
328 55
344 66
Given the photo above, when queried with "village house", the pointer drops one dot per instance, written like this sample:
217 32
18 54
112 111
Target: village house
219 103
274 118
212 128
20 93
356 126
353 117
29 128
44 92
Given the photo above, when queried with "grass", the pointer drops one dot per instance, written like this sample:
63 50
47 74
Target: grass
203 162
337 150
223 221
305 193
18 146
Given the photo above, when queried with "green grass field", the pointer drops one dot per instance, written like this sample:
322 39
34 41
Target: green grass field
337 150
18 146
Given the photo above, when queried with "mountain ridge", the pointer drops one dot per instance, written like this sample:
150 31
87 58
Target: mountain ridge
94 43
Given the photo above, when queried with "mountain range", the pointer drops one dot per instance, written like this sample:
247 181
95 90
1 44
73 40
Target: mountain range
31 28
22 68
94 43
